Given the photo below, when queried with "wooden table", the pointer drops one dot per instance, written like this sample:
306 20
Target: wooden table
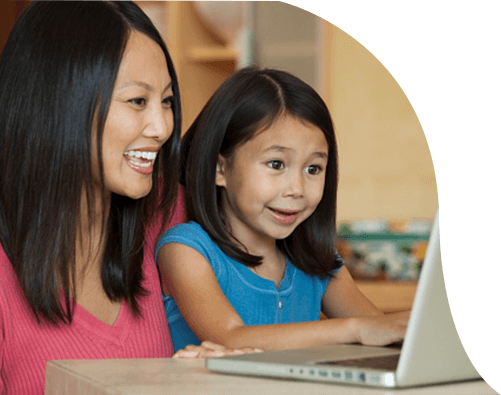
189 376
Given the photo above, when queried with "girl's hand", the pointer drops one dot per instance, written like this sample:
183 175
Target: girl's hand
382 330
210 350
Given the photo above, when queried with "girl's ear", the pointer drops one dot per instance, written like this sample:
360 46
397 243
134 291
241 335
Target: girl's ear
220 169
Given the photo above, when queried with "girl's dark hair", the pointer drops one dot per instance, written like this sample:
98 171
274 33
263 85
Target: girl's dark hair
57 73
251 100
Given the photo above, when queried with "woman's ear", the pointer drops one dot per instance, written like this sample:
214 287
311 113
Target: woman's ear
220 169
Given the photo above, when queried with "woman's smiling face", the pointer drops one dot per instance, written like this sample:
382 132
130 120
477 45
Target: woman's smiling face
140 119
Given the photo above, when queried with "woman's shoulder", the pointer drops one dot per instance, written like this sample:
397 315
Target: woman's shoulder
6 269
11 294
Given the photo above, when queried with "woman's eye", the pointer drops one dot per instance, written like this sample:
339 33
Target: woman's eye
276 164
314 169
138 101
168 102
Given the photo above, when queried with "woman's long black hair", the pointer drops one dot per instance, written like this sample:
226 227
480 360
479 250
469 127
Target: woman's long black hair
249 101
57 73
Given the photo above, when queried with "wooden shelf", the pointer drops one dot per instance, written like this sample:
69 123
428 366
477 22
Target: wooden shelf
202 61
211 54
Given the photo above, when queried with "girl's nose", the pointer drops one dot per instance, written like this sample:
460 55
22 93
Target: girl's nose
295 186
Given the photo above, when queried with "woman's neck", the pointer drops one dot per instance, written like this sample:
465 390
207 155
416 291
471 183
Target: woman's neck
91 238
89 250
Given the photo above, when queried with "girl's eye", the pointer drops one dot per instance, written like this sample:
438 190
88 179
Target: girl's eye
276 164
314 169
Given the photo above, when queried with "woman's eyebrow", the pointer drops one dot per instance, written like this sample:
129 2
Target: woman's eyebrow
141 84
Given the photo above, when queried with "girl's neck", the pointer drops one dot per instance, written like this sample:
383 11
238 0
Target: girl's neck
259 244
272 267
273 260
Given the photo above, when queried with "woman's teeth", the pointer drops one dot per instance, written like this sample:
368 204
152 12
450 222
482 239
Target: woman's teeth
141 154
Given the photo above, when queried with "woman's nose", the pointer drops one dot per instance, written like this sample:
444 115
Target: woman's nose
160 124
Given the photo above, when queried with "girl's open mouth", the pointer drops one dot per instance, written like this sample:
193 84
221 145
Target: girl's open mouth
284 216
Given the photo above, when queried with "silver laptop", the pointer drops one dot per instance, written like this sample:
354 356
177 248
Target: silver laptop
431 353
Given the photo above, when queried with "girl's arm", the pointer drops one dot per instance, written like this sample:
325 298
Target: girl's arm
343 299
188 277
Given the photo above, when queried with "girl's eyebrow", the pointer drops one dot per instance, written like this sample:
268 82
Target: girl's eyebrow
322 155
141 84
280 148
277 148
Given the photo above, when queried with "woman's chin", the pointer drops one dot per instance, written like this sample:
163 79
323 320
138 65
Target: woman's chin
136 193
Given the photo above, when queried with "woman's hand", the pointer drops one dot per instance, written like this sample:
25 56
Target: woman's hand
382 330
210 350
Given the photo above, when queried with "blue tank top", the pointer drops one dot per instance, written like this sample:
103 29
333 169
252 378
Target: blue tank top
258 301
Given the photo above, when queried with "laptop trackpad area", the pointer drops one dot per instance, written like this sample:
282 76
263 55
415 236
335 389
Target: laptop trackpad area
349 355
384 362
317 355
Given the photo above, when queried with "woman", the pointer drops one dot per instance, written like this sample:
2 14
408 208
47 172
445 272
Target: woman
89 120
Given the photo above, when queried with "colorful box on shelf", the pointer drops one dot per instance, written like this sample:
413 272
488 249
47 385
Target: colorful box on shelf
384 249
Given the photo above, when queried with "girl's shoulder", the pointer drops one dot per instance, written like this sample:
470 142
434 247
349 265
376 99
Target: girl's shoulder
190 234
189 229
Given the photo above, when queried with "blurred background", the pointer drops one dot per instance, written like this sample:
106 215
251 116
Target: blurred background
387 190
386 169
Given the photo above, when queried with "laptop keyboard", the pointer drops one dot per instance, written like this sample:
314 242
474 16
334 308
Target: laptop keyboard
385 362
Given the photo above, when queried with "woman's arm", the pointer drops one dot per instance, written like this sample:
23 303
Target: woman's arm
209 349
188 277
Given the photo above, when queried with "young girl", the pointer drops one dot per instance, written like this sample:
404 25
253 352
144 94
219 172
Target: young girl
258 262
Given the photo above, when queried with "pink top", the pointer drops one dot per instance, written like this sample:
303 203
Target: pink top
26 345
